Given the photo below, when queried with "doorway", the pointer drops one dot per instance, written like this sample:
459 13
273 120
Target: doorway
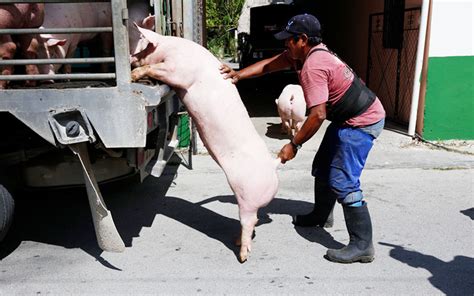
390 72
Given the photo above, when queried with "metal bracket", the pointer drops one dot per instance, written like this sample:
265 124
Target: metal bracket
71 126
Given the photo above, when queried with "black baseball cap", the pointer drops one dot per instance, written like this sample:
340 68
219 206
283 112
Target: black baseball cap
301 24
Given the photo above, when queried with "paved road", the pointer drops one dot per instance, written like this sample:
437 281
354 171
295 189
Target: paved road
179 232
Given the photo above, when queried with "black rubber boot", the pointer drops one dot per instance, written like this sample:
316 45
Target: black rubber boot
322 214
360 247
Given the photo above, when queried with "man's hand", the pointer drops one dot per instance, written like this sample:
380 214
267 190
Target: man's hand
287 152
227 72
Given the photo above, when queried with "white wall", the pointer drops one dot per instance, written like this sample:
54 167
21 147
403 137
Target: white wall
452 28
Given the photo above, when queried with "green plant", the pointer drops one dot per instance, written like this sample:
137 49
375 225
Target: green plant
221 21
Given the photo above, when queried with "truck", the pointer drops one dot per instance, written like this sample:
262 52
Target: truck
265 21
90 127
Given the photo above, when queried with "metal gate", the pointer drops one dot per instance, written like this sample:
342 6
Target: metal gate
390 72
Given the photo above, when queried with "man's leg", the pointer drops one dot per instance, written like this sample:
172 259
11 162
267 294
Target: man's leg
324 199
352 149
322 213
359 227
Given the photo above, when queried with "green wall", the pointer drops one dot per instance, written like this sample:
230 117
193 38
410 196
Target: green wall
449 106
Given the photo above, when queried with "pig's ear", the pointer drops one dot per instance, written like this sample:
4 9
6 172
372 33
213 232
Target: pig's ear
56 42
149 35
149 22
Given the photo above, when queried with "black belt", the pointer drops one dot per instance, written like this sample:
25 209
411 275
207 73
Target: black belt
355 101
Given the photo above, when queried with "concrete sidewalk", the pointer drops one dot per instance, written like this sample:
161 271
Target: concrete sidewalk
179 230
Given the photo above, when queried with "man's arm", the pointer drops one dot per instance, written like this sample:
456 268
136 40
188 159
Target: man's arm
313 122
273 64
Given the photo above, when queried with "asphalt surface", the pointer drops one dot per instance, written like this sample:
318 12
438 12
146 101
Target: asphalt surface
179 229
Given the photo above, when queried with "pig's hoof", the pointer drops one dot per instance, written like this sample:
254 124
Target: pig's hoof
137 74
244 254
243 257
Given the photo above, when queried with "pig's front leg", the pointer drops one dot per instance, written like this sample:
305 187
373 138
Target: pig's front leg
155 71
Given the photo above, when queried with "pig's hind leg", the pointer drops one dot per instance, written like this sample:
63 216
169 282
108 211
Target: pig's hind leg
298 126
248 220
285 126
254 188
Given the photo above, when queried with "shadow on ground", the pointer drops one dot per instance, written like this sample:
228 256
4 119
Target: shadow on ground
452 278
63 218
274 131
469 213
286 207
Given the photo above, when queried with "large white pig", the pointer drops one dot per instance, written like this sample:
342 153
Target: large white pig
74 15
221 119
291 108
18 16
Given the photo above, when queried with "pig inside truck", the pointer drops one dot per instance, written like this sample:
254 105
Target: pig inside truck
68 120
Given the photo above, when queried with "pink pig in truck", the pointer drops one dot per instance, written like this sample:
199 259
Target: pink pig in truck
51 132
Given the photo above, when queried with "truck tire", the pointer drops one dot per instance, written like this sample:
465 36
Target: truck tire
7 207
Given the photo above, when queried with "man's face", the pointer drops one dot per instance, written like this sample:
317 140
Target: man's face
294 46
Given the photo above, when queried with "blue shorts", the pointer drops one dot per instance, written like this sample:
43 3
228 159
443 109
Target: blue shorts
341 158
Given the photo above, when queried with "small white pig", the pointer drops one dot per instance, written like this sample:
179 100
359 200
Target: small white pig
291 108
221 119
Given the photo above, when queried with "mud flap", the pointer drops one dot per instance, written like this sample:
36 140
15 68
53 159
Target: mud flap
108 237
